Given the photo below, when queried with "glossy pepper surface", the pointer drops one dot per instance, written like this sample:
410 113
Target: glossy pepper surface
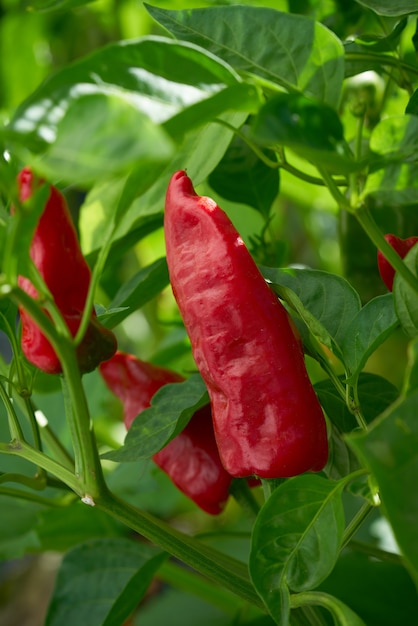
56 252
402 247
191 459
267 419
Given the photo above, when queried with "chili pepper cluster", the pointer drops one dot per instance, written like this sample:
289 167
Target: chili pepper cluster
264 419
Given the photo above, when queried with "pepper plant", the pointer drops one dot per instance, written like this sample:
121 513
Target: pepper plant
301 122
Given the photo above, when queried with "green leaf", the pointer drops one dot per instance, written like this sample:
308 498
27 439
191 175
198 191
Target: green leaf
329 298
373 324
341 458
296 539
396 136
101 582
390 451
265 43
157 76
241 97
137 291
406 298
171 408
312 129
95 140
388 7
396 184
17 528
383 43
375 395
380 592
243 177
199 153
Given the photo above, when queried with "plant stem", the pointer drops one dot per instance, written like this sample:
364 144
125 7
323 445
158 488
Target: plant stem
377 553
242 493
356 522
217 566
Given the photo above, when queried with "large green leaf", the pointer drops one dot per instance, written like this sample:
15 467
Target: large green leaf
296 540
265 43
171 408
157 76
101 582
390 451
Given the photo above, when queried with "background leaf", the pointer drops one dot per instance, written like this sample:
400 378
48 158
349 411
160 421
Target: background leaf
101 582
387 7
265 43
390 451
406 304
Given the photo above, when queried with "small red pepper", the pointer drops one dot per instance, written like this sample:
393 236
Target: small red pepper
191 459
402 247
267 419
56 253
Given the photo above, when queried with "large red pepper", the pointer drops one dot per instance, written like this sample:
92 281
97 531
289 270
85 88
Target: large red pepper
191 459
402 247
56 253
267 419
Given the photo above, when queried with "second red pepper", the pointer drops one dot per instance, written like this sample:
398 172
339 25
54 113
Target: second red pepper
191 459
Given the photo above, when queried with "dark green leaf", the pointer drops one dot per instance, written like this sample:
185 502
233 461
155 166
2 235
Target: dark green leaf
375 395
17 528
390 450
265 43
171 408
341 458
309 127
380 592
373 324
137 291
406 298
243 177
329 298
383 44
388 7
296 539
101 582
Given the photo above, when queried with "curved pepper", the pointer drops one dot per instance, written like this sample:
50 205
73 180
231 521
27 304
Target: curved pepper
56 253
402 247
267 419
191 459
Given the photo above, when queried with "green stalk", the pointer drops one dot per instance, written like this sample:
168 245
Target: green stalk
33 497
217 566
356 523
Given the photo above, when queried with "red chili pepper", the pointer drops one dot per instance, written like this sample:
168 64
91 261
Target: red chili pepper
402 247
56 253
191 459
267 419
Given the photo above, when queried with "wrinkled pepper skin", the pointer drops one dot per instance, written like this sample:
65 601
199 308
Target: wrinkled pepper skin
191 459
402 247
267 419
56 253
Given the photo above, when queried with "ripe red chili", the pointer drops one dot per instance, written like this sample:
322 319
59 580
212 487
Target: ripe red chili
267 419
402 247
56 253
191 459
